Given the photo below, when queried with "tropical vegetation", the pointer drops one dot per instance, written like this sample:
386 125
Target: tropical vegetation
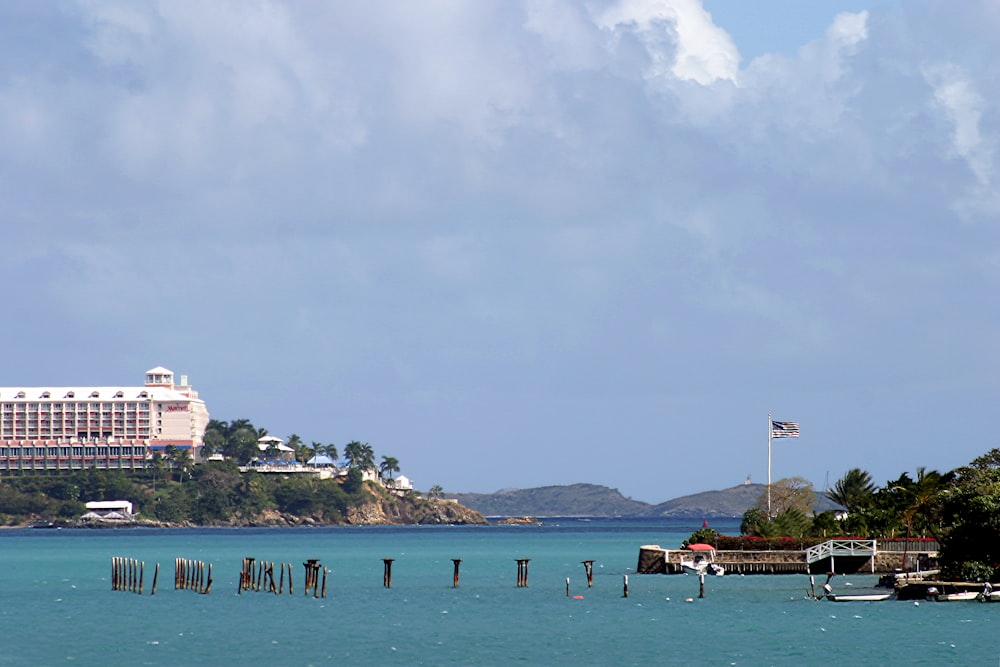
173 490
960 509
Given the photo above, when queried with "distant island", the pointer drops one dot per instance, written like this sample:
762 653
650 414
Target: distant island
593 500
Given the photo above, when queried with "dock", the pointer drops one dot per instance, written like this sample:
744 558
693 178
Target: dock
841 556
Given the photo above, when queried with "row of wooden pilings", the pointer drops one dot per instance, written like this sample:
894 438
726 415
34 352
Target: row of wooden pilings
190 575
259 576
127 575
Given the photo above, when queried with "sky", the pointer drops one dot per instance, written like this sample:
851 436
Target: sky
518 244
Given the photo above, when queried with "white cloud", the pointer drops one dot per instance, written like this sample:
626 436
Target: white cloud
955 94
679 37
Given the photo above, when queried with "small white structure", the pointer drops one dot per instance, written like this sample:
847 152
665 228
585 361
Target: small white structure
113 510
274 449
402 483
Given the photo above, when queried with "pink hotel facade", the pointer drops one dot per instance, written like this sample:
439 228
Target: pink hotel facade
72 428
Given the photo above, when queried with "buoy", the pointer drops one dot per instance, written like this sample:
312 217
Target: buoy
577 597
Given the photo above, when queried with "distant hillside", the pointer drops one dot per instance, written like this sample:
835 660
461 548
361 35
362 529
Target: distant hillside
732 502
569 500
596 500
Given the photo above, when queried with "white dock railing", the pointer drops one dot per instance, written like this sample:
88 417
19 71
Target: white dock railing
833 548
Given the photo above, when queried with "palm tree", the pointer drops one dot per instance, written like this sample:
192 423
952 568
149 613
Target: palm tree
388 466
853 491
435 492
359 455
331 451
352 453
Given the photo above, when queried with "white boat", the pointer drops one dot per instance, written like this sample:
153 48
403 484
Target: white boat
702 561
859 597
960 596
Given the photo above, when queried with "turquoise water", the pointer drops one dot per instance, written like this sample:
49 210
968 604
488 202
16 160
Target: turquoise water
57 606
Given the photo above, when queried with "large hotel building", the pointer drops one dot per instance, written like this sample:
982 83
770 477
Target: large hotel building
72 428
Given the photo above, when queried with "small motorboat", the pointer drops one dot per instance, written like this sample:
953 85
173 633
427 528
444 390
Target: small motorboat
702 561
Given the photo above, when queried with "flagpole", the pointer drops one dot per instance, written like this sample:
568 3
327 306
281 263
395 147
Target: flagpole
769 466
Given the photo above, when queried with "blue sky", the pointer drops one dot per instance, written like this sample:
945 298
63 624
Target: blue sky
518 244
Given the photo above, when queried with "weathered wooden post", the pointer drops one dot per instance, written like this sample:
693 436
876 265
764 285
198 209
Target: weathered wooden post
387 572
454 579
522 572
290 590
625 587
325 570
701 585
588 567
156 575
142 572
567 586
208 584
281 580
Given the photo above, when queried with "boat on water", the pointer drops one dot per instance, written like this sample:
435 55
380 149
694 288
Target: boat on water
960 596
858 597
702 561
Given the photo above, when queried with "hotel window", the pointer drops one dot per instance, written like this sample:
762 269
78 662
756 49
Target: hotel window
78 451
89 451
102 451
53 451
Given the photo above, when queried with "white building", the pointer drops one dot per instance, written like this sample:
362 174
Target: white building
71 428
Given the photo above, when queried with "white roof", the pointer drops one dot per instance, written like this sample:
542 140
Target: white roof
159 370
263 444
110 505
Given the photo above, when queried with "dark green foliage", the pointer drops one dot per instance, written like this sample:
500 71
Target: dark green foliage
853 491
702 536
753 519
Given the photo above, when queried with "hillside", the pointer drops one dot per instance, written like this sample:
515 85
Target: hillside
731 502
597 500
569 500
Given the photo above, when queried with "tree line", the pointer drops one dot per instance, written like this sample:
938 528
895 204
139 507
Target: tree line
959 508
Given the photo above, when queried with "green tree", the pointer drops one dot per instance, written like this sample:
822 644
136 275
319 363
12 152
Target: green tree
388 466
853 491
753 519
331 451
436 492
359 455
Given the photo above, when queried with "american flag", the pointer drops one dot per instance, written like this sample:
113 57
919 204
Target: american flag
784 429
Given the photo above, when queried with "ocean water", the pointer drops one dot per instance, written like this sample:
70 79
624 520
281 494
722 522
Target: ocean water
57 606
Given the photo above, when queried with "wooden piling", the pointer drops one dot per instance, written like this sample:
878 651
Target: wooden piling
454 580
281 580
290 591
324 581
701 585
567 586
387 572
142 572
588 567
522 572
625 587
208 584
156 575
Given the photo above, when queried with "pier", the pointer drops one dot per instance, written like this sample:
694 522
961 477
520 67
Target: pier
842 556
